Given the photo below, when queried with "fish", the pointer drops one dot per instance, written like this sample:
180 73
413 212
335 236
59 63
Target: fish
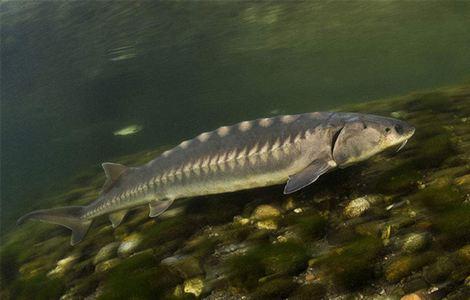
291 149
132 129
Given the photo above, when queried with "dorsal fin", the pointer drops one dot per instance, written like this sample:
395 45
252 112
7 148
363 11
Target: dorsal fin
112 171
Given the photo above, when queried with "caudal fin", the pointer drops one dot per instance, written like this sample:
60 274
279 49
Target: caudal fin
69 217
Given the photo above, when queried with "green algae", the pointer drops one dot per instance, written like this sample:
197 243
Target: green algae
280 258
454 226
405 265
351 266
309 291
438 198
138 277
433 150
400 179
278 288
310 225
41 286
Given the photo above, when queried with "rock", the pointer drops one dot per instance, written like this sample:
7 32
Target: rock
178 291
415 242
309 291
463 181
459 293
278 288
405 265
193 286
464 253
185 266
129 244
414 296
356 207
105 253
289 204
267 225
415 283
399 114
63 265
239 220
263 212
107 265
440 270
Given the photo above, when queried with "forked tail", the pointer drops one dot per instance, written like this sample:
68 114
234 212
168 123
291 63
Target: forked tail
69 217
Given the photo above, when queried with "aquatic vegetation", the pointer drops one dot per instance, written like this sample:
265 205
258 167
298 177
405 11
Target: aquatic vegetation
267 260
40 286
137 277
352 266
404 265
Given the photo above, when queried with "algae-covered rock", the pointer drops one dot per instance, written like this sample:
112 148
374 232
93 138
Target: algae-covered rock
129 244
415 242
279 258
185 266
440 270
278 288
107 252
63 266
267 225
193 286
309 291
352 266
356 207
402 266
264 212
107 265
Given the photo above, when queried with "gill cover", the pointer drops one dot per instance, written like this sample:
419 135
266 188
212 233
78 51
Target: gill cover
355 142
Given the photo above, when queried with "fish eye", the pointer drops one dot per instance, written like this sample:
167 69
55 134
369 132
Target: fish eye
387 129
399 129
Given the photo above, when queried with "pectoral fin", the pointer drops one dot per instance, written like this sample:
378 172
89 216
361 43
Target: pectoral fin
308 175
157 207
117 217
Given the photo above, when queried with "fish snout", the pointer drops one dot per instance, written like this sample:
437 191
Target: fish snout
404 129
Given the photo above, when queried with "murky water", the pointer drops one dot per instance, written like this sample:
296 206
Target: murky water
88 82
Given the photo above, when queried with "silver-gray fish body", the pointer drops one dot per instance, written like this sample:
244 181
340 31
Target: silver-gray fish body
247 155
293 148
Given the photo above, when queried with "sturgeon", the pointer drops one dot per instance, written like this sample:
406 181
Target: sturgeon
251 154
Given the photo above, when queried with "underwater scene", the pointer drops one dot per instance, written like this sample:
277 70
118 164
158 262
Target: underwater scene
235 150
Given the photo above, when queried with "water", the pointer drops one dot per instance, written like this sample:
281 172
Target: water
74 74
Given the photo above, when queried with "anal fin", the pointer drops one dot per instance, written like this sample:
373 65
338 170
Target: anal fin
308 175
117 217
157 207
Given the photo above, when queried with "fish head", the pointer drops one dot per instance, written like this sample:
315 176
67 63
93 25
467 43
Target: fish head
363 136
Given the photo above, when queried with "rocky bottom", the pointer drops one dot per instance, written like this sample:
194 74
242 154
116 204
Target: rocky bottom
394 227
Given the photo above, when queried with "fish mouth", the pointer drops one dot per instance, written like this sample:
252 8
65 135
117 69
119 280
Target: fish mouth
405 139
